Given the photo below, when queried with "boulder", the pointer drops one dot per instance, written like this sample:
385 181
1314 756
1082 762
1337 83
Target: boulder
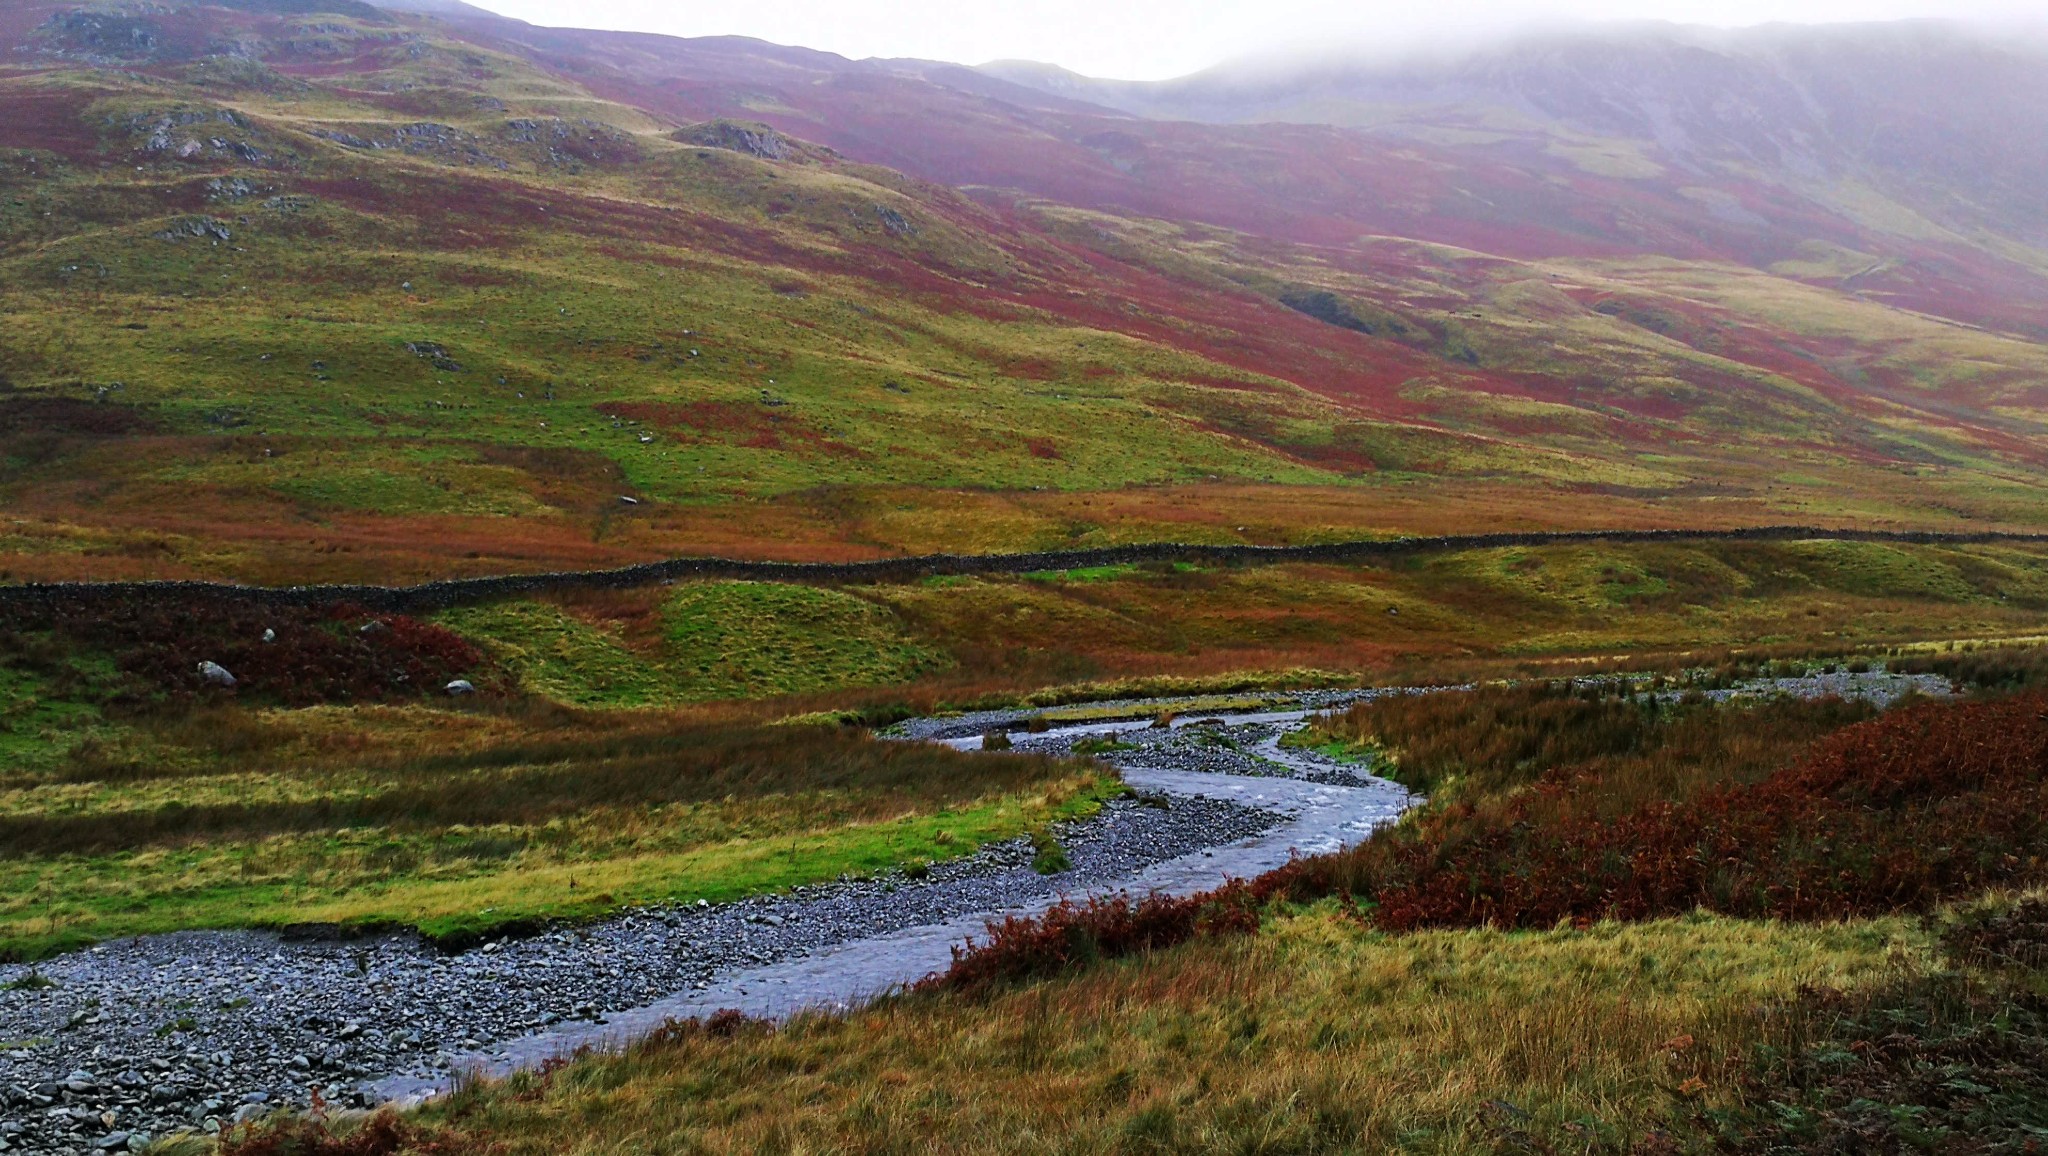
460 687
214 674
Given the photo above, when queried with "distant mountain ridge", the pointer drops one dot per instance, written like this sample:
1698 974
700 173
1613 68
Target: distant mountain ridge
1958 110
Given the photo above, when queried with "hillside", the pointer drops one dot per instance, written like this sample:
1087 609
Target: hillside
1726 839
1944 119
318 290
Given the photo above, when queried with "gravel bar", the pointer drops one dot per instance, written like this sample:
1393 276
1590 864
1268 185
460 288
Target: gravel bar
195 1030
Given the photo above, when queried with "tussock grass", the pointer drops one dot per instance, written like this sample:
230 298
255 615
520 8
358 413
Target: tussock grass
457 822
533 784
1315 1037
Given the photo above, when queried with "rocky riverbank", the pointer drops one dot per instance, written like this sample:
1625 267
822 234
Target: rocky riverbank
109 1047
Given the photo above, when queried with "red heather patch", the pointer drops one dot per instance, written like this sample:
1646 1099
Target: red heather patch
323 654
1074 934
48 121
1917 807
1032 369
73 417
1897 814
1245 332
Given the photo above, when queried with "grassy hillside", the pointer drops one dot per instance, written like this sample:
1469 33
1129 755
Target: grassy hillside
952 639
382 296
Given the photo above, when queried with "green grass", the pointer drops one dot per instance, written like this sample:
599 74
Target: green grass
719 640
756 639
1083 574
1870 569
460 822
38 721
461 885
564 658
1368 756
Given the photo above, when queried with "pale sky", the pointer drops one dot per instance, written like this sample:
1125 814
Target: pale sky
1156 39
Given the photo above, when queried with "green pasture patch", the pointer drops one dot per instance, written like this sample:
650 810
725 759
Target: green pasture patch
38 723
1877 570
564 658
1084 573
2001 573
1567 578
751 639
1340 749
465 883
386 491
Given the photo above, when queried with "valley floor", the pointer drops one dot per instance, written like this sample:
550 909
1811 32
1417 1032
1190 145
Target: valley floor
237 1024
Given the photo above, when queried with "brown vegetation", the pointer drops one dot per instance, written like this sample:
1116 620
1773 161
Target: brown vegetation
1637 820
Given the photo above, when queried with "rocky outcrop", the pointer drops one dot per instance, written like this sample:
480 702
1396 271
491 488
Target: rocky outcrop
196 228
740 137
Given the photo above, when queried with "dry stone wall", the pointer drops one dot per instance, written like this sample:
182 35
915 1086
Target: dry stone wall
453 592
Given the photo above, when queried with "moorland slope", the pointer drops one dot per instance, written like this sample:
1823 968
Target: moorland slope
329 292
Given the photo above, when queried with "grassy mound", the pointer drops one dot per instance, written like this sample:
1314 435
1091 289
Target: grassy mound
562 657
757 639
703 642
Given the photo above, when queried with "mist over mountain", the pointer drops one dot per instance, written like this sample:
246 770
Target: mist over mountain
1951 115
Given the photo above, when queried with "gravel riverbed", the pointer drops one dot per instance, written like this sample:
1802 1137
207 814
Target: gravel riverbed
139 1037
